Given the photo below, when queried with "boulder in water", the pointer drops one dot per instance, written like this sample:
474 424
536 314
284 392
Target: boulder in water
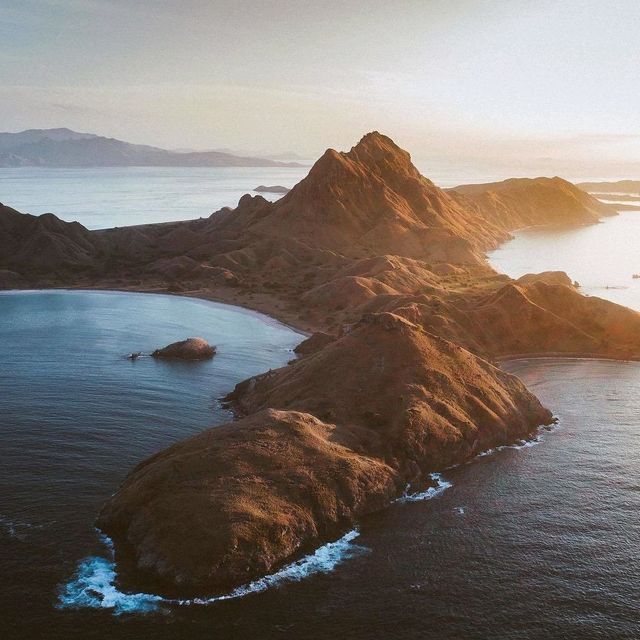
189 349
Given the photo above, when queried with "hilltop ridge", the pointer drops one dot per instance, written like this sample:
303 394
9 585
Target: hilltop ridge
522 202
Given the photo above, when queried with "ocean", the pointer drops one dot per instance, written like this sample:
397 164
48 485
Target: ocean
602 258
104 197
532 541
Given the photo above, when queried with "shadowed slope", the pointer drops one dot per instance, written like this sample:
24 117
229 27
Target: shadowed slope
43 243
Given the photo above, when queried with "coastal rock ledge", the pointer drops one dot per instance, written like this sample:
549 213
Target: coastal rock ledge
324 441
189 349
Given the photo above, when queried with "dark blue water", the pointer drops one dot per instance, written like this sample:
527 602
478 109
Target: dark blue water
539 541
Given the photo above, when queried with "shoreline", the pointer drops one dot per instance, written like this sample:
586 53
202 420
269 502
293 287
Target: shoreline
287 322
276 317
327 416
558 355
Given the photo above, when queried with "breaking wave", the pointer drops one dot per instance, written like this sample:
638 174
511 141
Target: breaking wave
427 494
93 585
521 444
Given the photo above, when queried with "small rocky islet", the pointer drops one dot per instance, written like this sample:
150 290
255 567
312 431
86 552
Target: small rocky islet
190 349
276 188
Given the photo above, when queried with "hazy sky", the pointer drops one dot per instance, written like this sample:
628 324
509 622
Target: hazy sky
454 81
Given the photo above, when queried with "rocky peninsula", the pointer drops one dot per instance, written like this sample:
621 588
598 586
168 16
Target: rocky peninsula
399 384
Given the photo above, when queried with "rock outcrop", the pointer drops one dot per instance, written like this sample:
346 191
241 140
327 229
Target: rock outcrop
548 277
314 343
189 349
328 439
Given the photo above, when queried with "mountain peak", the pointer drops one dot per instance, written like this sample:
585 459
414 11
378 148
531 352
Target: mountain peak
371 200
381 155
376 140
375 157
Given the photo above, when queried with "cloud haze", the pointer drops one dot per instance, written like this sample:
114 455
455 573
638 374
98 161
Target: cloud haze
534 85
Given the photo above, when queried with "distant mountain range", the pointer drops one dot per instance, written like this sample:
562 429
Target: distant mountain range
67 148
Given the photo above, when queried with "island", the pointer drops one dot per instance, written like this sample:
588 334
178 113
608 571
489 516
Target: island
617 187
189 349
399 382
273 189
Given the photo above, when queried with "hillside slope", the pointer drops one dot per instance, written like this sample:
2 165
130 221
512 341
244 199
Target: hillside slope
524 202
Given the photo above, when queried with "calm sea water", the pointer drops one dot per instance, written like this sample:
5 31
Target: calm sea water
602 257
105 197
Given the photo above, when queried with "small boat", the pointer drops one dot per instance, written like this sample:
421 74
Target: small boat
134 356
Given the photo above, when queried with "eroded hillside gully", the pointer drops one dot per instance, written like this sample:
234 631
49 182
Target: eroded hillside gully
396 384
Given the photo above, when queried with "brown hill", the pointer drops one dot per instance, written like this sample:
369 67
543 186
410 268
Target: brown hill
521 318
620 186
43 243
330 438
523 202
370 203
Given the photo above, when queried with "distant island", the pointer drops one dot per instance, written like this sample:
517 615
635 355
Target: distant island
620 186
399 381
273 189
67 148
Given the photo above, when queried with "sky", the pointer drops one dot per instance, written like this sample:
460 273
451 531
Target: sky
518 86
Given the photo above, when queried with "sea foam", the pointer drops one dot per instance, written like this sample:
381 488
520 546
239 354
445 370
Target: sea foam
9 526
522 444
427 494
93 585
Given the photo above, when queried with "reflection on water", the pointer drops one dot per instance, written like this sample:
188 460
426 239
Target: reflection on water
602 257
